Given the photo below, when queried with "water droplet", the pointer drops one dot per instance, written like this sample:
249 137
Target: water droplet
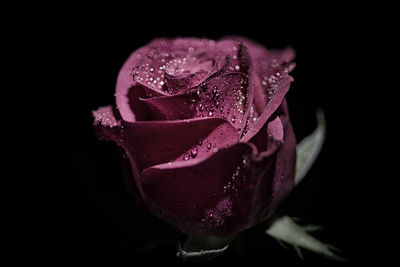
200 142
210 114
215 91
194 152
221 132
209 146
237 67
186 156
237 171
233 118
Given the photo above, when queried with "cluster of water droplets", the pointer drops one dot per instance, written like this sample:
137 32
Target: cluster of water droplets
251 119
221 96
194 151
239 175
271 81
217 216
225 99
164 59
105 117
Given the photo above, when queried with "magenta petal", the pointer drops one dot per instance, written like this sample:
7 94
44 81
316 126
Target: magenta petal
218 97
109 127
106 124
269 66
155 142
278 132
192 197
169 66
273 191
177 107
286 160
182 82
215 196
280 88
206 130
225 193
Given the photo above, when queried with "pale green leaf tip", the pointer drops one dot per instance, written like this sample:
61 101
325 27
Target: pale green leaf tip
284 229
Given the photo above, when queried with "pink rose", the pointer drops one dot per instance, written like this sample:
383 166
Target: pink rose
206 128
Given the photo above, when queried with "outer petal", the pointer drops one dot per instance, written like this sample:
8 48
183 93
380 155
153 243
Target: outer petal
193 197
280 89
270 192
155 142
223 194
266 64
286 161
106 123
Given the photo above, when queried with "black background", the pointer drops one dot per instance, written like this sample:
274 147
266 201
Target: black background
81 208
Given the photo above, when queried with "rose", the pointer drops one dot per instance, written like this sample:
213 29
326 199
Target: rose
206 129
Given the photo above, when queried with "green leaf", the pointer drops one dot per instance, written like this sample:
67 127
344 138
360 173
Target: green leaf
285 229
309 148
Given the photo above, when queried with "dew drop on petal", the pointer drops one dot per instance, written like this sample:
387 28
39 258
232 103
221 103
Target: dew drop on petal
209 146
194 152
186 156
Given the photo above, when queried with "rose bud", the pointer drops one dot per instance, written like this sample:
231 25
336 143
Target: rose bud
206 129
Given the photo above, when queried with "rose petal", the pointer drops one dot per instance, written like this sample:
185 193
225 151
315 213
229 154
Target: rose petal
218 195
106 123
183 82
223 96
155 142
165 66
190 195
280 88
271 68
282 180
286 160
